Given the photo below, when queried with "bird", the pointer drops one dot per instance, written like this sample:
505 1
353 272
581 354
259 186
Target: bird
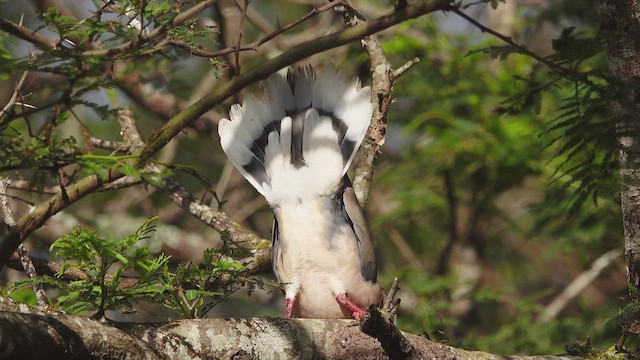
294 143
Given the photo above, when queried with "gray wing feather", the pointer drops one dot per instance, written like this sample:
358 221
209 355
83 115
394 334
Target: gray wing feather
355 216
276 251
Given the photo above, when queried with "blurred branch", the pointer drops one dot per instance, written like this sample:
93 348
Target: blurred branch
14 96
27 35
398 240
577 286
452 206
23 255
51 268
256 44
47 208
560 70
181 18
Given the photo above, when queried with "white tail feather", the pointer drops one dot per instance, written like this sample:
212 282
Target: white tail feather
299 140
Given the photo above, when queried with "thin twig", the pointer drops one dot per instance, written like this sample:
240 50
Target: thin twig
401 70
25 259
240 33
51 268
108 144
28 186
566 73
256 44
181 18
390 304
14 96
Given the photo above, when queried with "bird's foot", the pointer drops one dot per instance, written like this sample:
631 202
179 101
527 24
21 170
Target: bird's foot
356 312
289 308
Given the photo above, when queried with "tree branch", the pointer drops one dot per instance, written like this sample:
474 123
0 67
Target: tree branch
256 44
27 35
181 18
578 285
44 210
68 336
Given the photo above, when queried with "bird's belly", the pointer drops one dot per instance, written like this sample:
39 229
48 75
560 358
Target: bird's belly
316 300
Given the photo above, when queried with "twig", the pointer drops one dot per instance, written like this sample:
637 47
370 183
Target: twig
380 324
25 259
26 185
108 144
256 44
181 18
52 268
563 72
390 302
240 33
14 96
223 181
578 285
401 70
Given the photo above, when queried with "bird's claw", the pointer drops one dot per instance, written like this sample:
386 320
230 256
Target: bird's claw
356 312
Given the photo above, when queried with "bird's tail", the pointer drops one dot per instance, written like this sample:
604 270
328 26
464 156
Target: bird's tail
298 140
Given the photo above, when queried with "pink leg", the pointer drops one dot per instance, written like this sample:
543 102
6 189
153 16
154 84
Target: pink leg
355 310
289 308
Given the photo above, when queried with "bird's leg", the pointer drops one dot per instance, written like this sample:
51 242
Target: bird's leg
346 302
289 307
291 292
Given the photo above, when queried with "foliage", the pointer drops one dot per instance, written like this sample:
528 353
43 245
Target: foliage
499 161
120 274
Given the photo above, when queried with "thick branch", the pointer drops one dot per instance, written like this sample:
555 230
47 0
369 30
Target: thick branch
33 336
68 336
621 30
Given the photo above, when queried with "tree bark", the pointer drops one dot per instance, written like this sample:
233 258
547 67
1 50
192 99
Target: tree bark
59 336
621 29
